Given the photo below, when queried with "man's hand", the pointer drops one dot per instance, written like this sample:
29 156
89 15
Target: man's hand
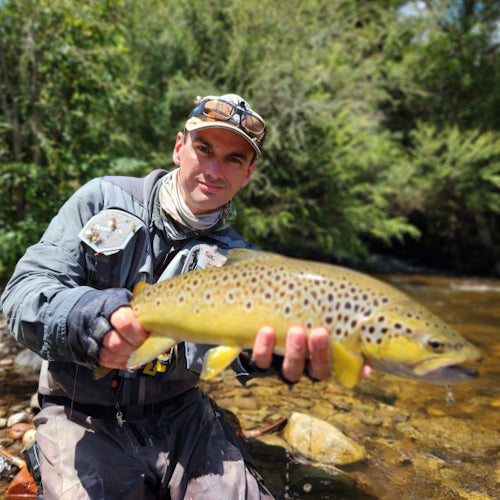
298 347
126 336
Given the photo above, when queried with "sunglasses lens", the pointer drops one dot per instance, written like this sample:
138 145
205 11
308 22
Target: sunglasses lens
224 111
219 110
254 126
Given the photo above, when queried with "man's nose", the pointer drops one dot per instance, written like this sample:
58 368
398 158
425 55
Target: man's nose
215 167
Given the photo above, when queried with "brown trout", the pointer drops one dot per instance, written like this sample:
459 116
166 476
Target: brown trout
369 321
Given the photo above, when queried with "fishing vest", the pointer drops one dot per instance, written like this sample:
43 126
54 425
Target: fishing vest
120 244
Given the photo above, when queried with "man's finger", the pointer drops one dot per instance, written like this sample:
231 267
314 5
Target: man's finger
295 354
262 352
319 355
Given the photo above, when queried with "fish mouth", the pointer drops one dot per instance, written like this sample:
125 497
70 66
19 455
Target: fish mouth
437 372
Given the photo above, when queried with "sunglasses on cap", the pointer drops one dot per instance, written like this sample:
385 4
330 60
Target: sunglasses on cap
238 114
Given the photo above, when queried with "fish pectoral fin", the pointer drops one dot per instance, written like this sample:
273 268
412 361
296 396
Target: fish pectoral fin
345 365
217 359
150 349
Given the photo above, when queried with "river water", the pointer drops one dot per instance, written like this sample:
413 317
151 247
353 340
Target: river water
418 445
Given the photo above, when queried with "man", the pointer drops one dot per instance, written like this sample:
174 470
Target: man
148 433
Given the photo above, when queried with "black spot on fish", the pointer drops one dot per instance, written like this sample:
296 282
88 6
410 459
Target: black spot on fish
381 319
398 326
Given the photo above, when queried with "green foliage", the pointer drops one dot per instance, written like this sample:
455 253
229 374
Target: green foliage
383 126
452 180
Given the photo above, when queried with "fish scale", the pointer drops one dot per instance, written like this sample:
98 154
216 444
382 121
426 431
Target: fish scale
368 320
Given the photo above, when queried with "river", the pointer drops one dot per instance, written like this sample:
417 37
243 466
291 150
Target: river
418 445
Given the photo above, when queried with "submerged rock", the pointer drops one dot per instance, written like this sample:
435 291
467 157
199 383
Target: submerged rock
321 441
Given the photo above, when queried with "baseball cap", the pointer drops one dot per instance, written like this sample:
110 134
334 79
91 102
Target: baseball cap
228 111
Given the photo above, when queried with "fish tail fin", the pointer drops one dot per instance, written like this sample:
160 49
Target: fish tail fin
139 288
345 365
100 372
150 349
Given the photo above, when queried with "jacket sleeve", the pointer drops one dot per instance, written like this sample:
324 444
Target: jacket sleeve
47 303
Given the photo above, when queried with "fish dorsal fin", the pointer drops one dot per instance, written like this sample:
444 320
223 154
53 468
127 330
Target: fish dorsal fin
139 288
235 255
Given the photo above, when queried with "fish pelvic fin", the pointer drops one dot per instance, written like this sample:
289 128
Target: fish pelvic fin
217 359
139 288
150 349
345 365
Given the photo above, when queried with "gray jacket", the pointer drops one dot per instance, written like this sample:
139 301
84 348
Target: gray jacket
105 239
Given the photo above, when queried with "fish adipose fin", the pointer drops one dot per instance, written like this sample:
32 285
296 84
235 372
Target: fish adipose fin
217 359
346 365
150 349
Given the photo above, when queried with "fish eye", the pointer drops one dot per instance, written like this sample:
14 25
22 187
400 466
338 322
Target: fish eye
436 345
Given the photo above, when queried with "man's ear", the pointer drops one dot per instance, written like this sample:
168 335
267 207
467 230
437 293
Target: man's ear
250 170
177 148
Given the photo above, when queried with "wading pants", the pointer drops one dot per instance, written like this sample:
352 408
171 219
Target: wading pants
185 451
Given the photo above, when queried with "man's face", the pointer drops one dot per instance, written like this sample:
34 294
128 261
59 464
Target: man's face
214 164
